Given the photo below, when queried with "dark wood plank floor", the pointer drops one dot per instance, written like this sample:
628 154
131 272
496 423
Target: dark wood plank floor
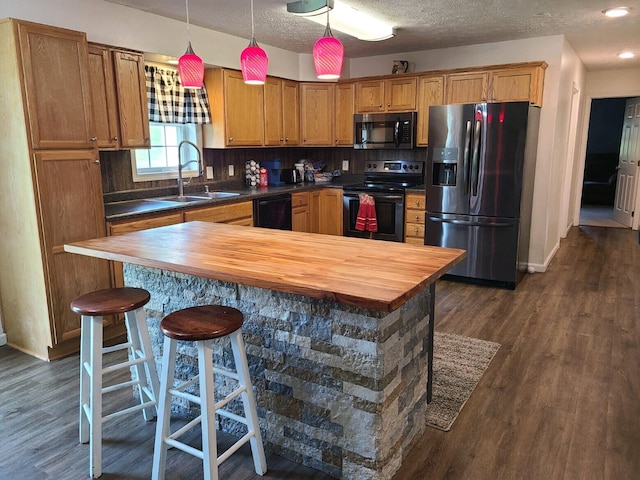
561 399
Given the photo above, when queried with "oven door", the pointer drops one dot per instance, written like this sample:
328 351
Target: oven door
389 215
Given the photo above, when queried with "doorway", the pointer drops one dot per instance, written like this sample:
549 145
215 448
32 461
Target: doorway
601 162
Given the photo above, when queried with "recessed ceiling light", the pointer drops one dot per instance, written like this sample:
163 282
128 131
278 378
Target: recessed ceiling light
616 12
626 55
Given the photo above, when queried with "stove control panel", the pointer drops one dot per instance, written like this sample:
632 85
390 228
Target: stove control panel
394 167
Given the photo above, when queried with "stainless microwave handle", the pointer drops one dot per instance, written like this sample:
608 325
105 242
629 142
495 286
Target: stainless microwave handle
396 133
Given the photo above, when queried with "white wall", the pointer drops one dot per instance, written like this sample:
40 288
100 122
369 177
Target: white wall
121 26
603 84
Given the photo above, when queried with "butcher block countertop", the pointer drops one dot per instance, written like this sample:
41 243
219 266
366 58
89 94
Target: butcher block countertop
368 273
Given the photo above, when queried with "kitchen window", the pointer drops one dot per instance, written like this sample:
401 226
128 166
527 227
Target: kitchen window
160 162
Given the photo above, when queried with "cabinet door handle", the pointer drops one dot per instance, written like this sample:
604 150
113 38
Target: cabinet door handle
231 139
115 139
93 139
97 160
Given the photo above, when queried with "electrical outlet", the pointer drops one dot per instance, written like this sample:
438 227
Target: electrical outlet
345 165
209 173
232 171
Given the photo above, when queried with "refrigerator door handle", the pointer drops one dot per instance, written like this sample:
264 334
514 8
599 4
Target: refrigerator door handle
470 223
475 161
465 165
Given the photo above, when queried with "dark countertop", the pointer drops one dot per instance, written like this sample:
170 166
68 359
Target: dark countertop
137 203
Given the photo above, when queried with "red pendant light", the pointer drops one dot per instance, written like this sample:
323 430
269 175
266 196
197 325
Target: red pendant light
328 54
190 66
253 60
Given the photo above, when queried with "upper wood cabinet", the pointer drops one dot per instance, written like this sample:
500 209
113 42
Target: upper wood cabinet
131 93
467 87
517 84
389 95
119 97
317 114
237 110
281 112
430 92
344 110
56 79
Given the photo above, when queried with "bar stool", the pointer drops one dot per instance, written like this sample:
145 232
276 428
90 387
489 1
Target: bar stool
93 307
201 325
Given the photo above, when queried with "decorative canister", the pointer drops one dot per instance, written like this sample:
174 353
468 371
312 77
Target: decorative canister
252 173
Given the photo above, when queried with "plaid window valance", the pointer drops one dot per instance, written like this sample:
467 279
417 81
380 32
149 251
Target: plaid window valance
169 102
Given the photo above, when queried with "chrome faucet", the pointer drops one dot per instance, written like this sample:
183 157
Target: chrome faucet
181 165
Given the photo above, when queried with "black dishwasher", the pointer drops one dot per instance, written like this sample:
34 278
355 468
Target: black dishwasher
273 211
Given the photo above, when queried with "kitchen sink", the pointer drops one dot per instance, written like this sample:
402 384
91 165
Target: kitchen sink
216 194
183 198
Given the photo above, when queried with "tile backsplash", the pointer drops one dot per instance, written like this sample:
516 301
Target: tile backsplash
116 166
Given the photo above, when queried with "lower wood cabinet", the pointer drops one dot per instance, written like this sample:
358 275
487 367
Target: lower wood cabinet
414 217
300 212
240 213
330 210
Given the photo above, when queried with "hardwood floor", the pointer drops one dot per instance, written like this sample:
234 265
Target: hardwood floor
560 400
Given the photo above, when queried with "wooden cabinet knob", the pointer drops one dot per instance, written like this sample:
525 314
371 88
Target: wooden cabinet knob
115 139
231 139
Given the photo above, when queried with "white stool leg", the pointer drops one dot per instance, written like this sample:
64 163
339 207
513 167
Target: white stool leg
164 409
208 412
249 402
85 378
95 403
141 348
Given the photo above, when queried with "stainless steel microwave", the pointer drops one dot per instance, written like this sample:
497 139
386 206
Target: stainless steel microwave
384 130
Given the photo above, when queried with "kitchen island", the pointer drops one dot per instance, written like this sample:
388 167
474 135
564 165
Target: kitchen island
339 344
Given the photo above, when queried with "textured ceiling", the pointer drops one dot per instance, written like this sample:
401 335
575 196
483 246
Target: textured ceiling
430 24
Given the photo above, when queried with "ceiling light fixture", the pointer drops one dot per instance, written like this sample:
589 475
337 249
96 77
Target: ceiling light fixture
328 54
626 55
253 60
306 8
190 66
352 22
616 12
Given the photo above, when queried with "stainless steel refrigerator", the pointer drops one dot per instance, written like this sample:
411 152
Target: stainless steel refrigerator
479 183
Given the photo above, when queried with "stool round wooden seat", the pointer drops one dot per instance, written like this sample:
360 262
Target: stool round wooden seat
110 301
202 325
93 307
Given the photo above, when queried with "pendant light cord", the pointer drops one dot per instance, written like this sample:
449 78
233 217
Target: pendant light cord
188 26
252 25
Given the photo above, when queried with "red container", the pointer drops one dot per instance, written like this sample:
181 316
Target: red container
264 177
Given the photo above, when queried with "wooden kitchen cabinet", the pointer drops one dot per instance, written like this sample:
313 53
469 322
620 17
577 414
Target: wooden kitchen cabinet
281 112
344 110
240 213
388 95
467 87
119 97
52 190
314 211
56 86
330 211
516 84
300 214
430 92
237 110
317 114
414 217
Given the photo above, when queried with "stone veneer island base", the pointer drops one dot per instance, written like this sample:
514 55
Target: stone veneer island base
339 388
